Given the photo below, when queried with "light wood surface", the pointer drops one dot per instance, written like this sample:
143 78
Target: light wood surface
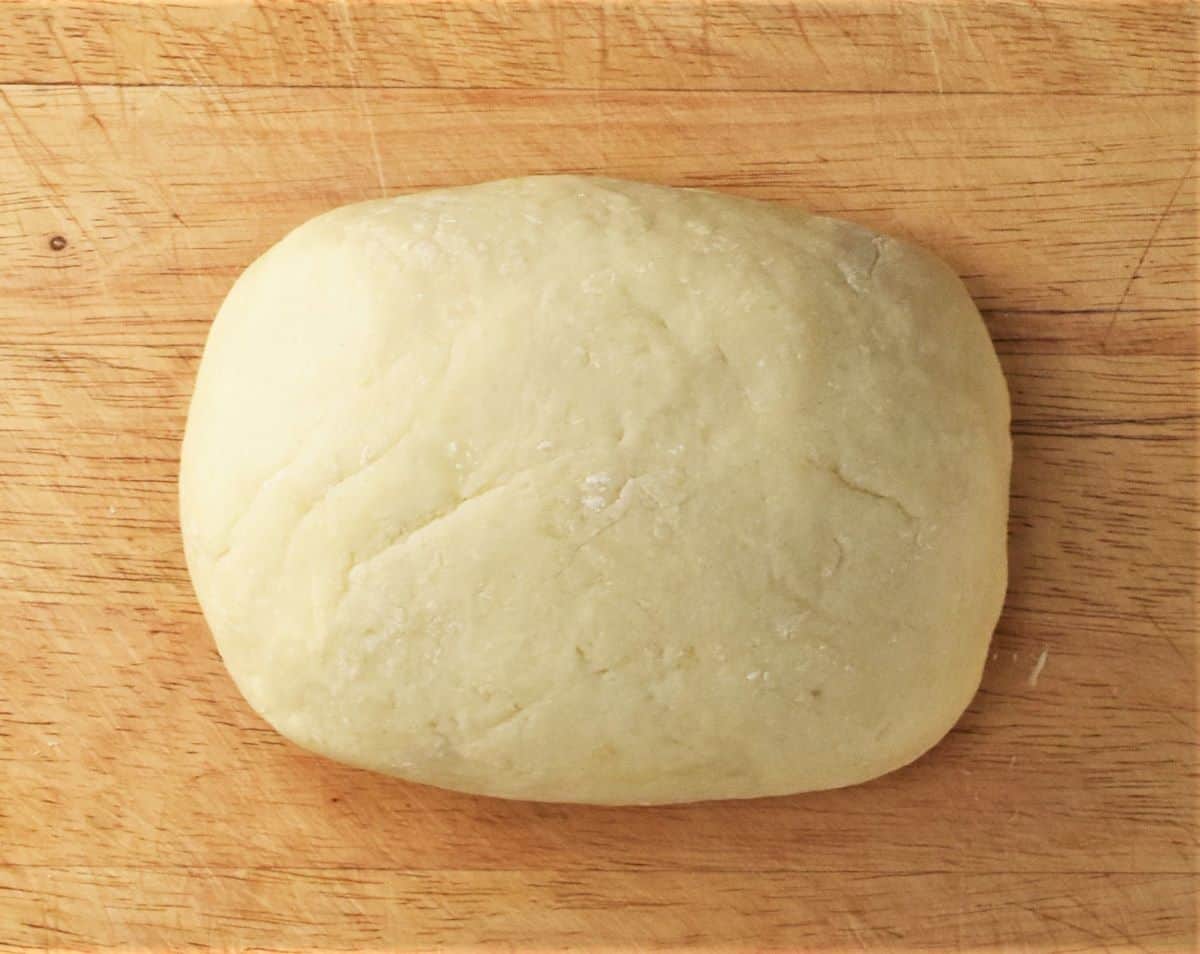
148 153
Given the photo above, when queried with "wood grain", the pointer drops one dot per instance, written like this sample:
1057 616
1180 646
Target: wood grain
546 910
1073 46
148 153
1047 209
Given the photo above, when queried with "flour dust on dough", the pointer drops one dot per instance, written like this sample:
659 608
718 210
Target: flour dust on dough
581 490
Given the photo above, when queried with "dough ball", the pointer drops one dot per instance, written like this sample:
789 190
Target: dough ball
581 490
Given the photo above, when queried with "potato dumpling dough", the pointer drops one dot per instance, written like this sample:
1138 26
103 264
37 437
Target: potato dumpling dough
580 490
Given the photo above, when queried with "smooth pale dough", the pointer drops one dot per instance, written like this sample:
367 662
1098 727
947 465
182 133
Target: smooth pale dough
581 490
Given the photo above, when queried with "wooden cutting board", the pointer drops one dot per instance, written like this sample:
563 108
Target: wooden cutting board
147 154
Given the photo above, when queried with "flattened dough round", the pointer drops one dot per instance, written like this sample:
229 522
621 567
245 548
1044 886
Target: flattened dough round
582 490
